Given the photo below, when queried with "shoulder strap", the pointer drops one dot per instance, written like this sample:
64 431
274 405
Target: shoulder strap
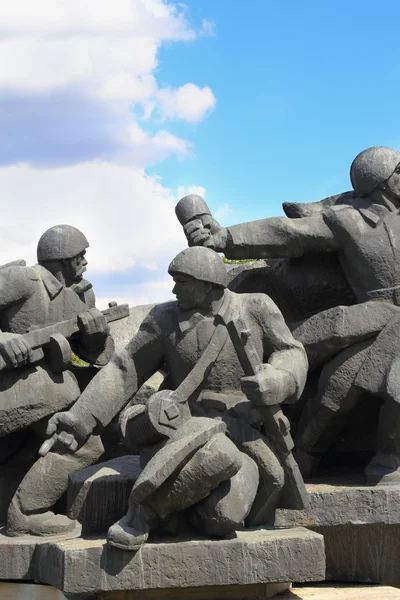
210 354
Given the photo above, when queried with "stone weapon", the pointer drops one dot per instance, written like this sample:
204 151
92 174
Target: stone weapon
56 336
276 425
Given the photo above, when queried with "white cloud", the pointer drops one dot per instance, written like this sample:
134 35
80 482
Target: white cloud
191 189
128 217
189 102
159 290
83 71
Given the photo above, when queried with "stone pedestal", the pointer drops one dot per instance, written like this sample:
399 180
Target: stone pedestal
361 529
240 566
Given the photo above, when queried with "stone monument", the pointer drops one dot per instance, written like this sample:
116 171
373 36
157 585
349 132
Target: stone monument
204 493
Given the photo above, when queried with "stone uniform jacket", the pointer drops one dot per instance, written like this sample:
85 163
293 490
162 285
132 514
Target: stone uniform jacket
365 236
174 339
30 298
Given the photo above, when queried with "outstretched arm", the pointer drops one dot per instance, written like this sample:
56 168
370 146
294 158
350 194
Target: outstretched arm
111 389
276 237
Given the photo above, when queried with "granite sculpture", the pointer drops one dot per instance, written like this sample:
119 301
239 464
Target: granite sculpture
355 341
40 307
214 445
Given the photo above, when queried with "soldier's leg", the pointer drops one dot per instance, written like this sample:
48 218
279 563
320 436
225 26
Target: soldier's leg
226 508
385 466
325 415
42 486
271 482
216 461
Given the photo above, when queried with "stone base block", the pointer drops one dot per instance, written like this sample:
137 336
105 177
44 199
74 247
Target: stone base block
98 495
18 555
342 592
361 529
248 558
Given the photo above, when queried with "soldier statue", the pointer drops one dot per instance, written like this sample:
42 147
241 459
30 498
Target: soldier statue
33 298
231 360
364 234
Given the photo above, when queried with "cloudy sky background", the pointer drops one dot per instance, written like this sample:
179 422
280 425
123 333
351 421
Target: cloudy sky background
110 111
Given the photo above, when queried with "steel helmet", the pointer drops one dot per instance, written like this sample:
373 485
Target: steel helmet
372 167
61 241
200 263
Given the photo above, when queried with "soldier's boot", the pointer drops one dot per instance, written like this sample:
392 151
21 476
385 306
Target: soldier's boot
44 484
130 532
216 461
325 415
384 468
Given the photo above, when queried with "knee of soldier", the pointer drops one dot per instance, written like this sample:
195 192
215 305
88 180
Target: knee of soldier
226 508
90 451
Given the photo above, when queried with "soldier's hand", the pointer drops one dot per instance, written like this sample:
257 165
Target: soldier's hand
93 322
65 434
206 232
263 389
15 350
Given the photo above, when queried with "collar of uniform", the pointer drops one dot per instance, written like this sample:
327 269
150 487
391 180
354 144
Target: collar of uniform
51 283
372 212
188 320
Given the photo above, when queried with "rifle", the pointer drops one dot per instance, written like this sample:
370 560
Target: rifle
56 335
275 423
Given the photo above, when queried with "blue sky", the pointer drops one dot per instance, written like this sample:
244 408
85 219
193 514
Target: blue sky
109 111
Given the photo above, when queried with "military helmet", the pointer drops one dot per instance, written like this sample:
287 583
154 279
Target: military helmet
60 242
200 263
372 167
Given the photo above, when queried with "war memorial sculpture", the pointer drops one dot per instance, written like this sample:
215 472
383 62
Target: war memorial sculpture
273 372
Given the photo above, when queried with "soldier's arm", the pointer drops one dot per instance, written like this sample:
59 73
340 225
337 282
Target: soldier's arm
279 237
285 366
112 388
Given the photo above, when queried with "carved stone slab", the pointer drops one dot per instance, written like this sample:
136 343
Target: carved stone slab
361 529
250 557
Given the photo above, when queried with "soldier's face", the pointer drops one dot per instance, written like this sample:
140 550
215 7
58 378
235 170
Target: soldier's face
190 293
75 267
393 183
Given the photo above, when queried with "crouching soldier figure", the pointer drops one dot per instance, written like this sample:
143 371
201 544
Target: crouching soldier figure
215 450
31 299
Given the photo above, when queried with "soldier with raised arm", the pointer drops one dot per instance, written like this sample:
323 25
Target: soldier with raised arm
205 372
365 236
32 298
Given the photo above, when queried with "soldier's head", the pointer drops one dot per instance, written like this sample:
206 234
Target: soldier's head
376 169
199 275
62 250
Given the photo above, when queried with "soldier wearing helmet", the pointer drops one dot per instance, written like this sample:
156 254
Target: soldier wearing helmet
31 298
365 236
176 334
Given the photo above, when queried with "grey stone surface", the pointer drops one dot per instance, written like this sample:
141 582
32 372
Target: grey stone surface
218 460
361 529
249 557
18 555
98 495
229 504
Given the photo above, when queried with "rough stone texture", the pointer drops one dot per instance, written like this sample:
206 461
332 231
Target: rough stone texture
98 495
250 557
18 556
123 331
361 529
228 506
195 433
258 591
218 460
